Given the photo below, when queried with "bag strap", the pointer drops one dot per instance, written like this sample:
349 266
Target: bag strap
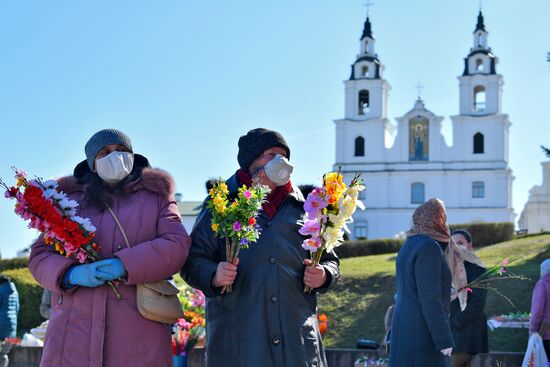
119 226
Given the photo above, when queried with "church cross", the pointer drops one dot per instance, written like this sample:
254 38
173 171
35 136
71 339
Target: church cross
419 86
368 4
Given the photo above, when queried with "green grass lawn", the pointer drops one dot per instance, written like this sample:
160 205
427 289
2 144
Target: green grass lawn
356 306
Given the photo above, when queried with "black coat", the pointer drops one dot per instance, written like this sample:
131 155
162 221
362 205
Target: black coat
420 327
267 320
469 327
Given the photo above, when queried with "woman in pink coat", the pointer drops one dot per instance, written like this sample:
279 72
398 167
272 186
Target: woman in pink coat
89 327
540 305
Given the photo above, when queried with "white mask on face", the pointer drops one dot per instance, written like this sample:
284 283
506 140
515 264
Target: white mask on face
114 167
278 170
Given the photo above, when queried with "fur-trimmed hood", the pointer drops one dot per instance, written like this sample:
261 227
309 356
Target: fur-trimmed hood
152 179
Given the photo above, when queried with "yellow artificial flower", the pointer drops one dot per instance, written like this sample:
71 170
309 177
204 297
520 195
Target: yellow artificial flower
335 186
220 208
19 182
218 200
224 188
212 193
215 227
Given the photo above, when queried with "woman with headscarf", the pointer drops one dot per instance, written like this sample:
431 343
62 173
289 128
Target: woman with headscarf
89 326
540 306
468 321
421 334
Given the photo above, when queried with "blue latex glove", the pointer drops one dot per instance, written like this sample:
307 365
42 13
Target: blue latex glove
86 275
110 269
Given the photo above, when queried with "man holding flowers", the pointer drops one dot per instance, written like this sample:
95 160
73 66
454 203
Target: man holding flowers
267 319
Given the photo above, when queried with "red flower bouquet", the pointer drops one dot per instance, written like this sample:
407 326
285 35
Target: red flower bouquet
52 213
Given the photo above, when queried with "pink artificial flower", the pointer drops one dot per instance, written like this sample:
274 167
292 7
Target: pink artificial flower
237 226
469 290
183 324
505 262
81 257
312 244
315 203
197 298
247 194
20 174
311 227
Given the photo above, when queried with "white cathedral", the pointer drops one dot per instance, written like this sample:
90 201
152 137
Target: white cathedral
405 165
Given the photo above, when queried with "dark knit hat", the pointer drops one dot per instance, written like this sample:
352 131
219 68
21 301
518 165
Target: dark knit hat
103 138
257 141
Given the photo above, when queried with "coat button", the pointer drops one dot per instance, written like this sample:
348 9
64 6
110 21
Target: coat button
268 224
276 341
273 260
59 299
274 299
119 247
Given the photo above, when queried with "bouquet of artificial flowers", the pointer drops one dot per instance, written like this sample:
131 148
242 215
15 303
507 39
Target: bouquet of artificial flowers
52 213
328 211
235 221
191 328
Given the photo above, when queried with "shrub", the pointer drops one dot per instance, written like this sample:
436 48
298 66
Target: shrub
357 248
15 263
485 234
30 295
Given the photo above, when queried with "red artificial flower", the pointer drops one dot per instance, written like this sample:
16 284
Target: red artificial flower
251 221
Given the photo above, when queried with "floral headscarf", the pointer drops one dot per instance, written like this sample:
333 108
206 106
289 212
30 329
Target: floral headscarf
430 219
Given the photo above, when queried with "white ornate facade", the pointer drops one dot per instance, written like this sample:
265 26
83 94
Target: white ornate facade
406 164
535 216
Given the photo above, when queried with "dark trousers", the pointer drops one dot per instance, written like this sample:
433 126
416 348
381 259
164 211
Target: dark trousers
547 348
461 359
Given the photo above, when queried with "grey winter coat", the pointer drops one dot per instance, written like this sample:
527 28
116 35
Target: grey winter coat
267 320
420 327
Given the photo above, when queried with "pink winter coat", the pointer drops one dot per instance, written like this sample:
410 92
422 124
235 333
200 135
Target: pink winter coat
540 305
89 327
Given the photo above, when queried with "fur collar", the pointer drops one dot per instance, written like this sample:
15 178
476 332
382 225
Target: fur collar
152 179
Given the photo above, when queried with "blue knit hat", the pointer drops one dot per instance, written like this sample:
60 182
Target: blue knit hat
103 138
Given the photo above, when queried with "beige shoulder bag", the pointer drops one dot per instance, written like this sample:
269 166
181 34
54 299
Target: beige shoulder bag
157 301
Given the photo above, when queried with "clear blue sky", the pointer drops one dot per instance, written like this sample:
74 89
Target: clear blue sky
186 78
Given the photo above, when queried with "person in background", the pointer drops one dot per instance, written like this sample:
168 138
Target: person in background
388 317
420 331
267 320
89 326
469 326
540 306
9 308
46 304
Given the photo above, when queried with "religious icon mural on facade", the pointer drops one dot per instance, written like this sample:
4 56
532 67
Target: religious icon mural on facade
418 139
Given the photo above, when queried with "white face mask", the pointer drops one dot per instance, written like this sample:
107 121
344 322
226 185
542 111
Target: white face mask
114 167
278 170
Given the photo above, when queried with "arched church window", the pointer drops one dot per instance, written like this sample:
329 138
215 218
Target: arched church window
417 193
479 65
361 230
364 102
359 146
479 98
365 71
478 189
479 147
419 138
